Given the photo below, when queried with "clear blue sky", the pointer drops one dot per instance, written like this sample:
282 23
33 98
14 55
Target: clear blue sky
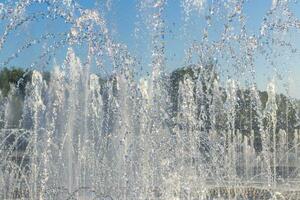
122 19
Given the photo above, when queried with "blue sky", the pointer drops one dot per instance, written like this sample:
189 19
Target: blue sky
123 19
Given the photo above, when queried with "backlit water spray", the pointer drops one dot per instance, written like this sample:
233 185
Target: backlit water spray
203 132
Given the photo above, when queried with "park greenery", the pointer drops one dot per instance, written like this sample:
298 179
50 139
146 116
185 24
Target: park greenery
286 114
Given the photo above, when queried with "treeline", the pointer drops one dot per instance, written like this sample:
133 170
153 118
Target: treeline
13 77
286 108
246 117
16 77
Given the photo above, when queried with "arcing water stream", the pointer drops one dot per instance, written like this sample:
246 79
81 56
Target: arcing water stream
191 135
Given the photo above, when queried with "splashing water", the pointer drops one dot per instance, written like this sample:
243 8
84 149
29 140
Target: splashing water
193 5
201 132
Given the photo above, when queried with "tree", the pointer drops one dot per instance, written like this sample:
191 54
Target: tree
15 76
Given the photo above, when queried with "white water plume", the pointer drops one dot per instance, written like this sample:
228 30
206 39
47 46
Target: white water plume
93 128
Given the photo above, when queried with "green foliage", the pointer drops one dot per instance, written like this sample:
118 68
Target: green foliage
176 77
245 119
246 116
206 73
15 76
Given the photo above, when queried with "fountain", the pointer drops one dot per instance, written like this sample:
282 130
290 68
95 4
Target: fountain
201 132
